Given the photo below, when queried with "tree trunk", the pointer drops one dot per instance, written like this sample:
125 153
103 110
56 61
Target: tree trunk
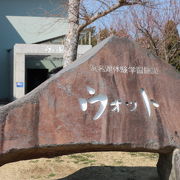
72 38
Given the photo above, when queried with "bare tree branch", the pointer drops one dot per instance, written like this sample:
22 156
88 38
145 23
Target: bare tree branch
109 10
79 17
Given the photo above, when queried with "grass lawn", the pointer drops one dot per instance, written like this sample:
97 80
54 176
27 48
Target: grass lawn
85 166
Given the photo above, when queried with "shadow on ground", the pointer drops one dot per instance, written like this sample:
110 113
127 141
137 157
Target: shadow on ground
114 173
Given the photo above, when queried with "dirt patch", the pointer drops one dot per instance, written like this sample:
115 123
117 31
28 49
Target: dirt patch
85 166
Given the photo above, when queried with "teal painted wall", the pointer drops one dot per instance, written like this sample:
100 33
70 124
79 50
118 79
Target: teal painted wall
9 36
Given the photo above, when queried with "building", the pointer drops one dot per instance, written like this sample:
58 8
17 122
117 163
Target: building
31 44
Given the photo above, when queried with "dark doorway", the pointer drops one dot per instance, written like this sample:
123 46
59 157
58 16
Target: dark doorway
34 77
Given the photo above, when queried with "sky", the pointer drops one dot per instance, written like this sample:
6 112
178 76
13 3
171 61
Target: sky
123 12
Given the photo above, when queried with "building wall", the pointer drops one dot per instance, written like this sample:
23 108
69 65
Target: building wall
9 36
23 54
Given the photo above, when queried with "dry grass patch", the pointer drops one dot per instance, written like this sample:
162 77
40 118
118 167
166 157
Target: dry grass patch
85 166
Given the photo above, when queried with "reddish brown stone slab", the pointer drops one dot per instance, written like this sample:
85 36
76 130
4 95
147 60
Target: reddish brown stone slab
49 121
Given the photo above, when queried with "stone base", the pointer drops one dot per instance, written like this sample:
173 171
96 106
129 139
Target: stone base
169 166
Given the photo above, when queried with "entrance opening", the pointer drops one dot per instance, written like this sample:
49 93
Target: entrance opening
38 68
34 77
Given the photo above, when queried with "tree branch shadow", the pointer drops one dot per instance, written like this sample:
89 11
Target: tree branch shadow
114 173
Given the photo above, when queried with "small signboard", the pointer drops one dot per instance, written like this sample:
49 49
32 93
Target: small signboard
19 84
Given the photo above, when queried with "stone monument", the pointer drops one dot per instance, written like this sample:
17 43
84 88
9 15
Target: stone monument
117 97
